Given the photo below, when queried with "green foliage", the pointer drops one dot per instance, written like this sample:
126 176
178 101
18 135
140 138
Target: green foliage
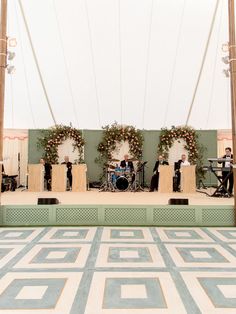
194 148
117 133
55 136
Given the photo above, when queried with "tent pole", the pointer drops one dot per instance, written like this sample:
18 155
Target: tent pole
232 59
3 63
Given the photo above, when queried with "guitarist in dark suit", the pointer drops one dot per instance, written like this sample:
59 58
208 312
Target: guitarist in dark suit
228 164
155 177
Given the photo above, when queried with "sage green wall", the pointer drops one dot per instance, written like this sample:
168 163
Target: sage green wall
151 139
34 152
92 139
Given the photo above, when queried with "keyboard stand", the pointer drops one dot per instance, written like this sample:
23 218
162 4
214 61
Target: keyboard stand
221 190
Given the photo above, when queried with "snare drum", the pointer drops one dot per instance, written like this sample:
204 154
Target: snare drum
119 171
122 183
127 171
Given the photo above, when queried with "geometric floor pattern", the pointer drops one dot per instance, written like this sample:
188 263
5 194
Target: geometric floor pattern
117 270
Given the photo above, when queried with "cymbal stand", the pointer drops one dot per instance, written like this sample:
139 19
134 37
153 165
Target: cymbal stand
107 185
136 185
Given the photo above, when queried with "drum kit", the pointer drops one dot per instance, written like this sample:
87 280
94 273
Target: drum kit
118 179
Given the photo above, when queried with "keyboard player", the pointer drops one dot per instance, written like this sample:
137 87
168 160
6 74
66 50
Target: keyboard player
229 182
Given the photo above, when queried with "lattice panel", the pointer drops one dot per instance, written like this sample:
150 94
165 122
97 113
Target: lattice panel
174 216
77 215
215 216
128 216
28 216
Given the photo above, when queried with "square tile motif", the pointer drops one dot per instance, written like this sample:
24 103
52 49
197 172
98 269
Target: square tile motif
132 292
129 255
183 234
19 234
31 292
224 234
55 256
44 293
200 255
8 252
125 234
213 292
69 234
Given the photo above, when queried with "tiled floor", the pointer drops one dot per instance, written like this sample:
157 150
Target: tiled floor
117 270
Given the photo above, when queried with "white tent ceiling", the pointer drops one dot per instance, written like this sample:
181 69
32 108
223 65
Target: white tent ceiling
131 61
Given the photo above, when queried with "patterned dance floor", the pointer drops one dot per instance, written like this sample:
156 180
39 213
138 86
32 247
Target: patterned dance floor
117 270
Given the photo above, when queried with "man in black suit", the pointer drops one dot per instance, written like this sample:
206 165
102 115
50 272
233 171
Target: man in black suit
47 173
228 164
126 163
155 177
69 169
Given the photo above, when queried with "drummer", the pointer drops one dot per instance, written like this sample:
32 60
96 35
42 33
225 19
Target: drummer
128 165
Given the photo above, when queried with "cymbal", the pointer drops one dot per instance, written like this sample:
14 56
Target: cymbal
115 160
110 166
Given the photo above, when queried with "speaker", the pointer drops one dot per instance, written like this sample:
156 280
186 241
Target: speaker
47 201
178 201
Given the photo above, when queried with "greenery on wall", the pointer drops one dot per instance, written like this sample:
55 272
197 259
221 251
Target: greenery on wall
194 148
116 133
55 136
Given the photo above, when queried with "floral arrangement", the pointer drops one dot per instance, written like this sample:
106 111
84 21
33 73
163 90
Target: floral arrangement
117 133
54 137
194 148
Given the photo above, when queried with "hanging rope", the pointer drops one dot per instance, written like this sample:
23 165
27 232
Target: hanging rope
36 61
24 66
120 53
93 63
203 62
214 66
175 61
228 90
12 101
65 63
11 79
147 62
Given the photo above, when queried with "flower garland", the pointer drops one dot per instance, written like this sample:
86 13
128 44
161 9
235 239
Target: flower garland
116 133
194 148
55 136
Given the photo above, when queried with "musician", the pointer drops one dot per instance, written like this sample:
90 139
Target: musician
128 164
69 169
228 164
180 163
155 177
47 173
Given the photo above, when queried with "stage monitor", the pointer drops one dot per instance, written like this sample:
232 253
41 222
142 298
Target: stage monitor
47 201
178 201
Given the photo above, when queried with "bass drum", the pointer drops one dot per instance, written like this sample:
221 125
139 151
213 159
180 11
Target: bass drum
122 183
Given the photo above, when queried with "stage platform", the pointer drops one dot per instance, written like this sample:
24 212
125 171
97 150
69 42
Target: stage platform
20 208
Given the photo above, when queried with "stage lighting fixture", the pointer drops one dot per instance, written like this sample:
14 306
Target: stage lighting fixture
225 47
12 42
10 55
11 69
226 72
225 59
